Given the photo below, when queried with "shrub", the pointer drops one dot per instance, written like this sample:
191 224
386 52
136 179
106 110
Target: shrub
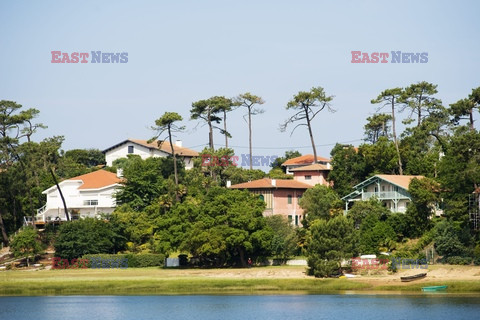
459 260
134 260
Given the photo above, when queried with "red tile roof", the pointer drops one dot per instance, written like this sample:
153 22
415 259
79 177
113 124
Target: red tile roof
266 183
402 181
306 159
97 179
312 167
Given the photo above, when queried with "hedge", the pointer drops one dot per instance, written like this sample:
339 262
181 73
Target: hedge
121 260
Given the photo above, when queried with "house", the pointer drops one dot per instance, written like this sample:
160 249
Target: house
304 161
146 150
312 174
87 195
281 196
391 190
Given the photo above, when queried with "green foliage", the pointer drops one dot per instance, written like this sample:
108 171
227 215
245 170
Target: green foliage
86 236
348 170
447 240
361 209
26 244
143 260
459 260
380 157
86 157
146 181
285 239
222 228
376 127
376 235
137 227
320 202
424 193
328 244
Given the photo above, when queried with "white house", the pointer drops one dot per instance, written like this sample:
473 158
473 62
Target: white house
391 190
87 195
147 150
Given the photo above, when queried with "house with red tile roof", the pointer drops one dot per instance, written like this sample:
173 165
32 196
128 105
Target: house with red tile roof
145 150
391 190
304 160
312 174
280 196
87 195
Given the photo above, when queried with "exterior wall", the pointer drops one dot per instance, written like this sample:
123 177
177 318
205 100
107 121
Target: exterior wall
318 177
293 212
76 199
122 152
143 152
277 203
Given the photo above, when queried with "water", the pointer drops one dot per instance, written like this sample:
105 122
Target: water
265 307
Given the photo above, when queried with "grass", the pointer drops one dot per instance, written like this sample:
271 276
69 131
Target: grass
192 281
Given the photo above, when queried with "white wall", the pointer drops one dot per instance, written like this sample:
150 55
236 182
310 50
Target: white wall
144 152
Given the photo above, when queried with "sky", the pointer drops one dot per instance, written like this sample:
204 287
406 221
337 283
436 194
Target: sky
180 52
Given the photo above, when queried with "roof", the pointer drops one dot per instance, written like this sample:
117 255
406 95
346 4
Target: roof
312 167
306 159
97 179
164 146
401 181
266 183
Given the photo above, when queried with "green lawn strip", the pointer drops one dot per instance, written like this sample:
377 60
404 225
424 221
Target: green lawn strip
174 286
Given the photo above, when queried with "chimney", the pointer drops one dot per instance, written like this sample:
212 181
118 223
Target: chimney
274 182
229 183
119 172
178 143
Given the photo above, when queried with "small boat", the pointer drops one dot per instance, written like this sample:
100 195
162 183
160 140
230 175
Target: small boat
434 288
414 277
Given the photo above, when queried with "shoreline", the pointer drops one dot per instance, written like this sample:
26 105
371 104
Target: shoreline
254 281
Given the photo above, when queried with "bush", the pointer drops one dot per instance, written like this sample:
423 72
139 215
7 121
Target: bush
86 236
134 260
459 260
476 261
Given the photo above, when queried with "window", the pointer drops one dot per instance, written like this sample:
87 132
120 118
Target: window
289 197
130 149
90 203
261 197
308 177
296 220
290 218
383 188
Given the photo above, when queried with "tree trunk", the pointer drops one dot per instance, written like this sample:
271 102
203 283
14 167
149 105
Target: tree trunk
225 127
311 136
250 134
67 215
177 196
4 232
400 170
471 119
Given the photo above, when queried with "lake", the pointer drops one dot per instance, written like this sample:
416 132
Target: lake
259 307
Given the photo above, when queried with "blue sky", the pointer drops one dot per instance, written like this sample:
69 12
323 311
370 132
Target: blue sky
183 51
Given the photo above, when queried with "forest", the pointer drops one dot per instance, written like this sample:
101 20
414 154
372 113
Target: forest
164 209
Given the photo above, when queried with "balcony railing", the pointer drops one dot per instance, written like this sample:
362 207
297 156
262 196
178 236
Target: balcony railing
384 195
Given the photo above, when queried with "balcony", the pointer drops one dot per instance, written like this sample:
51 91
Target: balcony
385 195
